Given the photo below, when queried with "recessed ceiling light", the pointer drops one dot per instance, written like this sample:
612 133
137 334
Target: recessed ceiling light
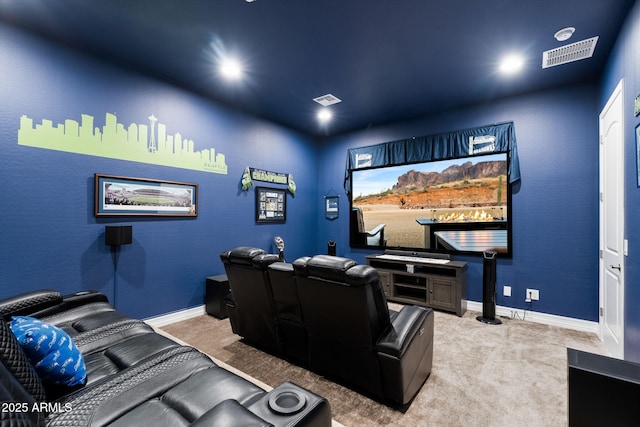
511 64
324 115
231 69
564 34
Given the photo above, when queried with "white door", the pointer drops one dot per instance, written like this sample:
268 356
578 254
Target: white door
612 223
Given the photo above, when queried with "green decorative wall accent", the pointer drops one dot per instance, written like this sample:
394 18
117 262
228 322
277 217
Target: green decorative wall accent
144 143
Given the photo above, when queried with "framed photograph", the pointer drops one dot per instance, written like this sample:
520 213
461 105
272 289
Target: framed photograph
124 196
271 205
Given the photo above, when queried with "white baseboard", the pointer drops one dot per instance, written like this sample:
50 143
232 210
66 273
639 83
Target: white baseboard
544 318
176 316
532 316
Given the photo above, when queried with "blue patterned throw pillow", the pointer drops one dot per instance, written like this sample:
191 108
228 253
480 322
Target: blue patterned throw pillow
50 350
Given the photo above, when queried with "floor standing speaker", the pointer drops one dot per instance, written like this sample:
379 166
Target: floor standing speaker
489 289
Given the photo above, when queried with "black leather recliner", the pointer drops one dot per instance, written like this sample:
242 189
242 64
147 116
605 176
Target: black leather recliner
354 336
135 376
330 315
251 307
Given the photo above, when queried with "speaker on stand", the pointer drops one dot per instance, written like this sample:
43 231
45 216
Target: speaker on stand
116 236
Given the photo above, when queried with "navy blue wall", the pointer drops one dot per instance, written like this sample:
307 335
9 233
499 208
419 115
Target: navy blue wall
51 238
49 235
555 205
625 63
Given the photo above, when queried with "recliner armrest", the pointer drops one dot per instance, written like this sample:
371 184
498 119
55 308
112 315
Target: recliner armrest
291 405
84 297
406 325
74 300
29 302
46 302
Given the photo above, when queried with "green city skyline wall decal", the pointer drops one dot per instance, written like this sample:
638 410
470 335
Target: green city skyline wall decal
136 143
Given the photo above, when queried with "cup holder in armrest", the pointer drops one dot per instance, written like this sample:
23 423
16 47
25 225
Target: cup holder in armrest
287 401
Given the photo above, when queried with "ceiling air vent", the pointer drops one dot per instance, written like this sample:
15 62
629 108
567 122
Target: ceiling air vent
569 53
326 100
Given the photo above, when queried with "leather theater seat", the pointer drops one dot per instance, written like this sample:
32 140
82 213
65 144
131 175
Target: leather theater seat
353 334
134 376
251 309
109 340
331 316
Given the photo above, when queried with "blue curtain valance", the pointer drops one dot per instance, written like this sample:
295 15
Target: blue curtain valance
450 145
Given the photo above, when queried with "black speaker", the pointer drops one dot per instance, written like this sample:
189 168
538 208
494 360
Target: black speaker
489 290
216 289
118 235
331 247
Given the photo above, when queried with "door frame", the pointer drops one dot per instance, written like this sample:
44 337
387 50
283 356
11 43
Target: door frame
617 351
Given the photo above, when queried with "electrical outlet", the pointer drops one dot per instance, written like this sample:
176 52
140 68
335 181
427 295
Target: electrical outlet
506 291
532 295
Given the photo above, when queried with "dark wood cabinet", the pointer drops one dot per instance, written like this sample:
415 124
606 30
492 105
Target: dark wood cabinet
431 282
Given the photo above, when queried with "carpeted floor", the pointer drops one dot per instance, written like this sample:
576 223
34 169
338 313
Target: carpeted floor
483 375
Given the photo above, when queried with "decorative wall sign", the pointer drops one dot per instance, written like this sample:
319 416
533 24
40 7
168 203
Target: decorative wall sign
252 174
331 207
271 205
123 196
144 143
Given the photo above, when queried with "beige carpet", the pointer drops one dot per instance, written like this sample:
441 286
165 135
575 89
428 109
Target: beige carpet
514 374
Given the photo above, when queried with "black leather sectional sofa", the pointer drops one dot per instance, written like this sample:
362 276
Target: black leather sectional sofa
330 315
134 376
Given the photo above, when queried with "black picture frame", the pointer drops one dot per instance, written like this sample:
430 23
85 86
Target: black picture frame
271 205
126 196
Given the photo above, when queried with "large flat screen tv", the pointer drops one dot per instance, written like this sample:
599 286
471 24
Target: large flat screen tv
456 205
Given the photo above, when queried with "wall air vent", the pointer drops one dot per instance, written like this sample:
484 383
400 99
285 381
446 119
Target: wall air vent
326 100
569 53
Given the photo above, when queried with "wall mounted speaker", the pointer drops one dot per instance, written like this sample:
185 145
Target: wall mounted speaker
118 234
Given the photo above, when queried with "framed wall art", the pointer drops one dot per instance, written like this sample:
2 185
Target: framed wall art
271 205
331 207
124 196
